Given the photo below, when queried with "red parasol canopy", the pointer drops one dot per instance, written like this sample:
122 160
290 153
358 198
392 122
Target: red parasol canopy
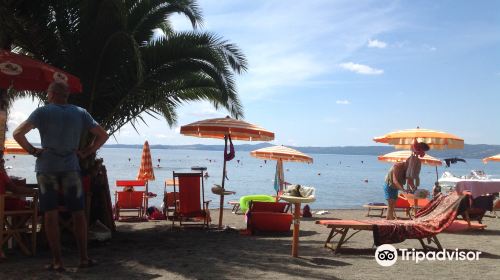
25 73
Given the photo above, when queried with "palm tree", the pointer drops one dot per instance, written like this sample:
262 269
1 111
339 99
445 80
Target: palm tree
126 71
124 68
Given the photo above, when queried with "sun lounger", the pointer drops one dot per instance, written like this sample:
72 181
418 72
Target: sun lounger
236 206
429 222
402 204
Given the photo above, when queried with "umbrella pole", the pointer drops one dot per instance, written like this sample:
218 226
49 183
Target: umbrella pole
221 209
437 176
281 175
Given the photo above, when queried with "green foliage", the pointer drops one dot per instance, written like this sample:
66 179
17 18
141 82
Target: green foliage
124 70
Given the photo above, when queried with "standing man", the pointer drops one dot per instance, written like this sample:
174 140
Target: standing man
61 126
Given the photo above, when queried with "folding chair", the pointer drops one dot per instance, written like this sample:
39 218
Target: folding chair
131 199
190 207
169 201
18 217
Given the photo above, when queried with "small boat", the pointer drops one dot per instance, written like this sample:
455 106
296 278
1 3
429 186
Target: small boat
448 180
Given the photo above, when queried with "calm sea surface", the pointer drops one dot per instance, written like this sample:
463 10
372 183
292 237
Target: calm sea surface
341 181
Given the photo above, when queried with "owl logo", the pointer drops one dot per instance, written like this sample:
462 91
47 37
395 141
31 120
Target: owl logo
11 69
60 77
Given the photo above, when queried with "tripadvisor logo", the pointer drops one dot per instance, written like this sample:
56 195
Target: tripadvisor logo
387 255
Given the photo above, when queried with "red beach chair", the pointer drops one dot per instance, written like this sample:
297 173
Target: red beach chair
131 199
190 207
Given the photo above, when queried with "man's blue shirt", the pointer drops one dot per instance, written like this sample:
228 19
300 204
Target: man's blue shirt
60 127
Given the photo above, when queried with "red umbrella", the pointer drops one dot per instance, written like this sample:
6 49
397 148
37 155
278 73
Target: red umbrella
25 73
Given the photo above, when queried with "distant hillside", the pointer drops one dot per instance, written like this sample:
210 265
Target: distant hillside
470 151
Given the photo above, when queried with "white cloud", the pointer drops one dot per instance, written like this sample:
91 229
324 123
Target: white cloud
430 48
377 44
361 68
331 120
343 102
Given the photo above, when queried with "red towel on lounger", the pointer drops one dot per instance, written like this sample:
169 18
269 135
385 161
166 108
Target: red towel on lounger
429 221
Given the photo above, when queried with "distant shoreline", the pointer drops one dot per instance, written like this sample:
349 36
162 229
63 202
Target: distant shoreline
477 151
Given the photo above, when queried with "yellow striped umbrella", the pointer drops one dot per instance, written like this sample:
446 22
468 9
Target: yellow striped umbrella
223 128
280 154
403 139
146 169
492 158
399 156
13 148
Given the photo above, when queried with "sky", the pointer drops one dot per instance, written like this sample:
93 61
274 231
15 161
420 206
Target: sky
338 73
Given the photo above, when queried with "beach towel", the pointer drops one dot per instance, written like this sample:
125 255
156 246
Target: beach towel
429 221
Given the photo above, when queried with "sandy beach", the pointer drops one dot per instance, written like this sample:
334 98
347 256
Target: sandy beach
153 250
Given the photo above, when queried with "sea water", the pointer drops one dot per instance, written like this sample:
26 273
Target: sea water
341 181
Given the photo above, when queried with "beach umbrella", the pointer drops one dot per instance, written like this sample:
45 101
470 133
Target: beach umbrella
22 72
281 154
438 140
13 148
146 169
492 158
400 156
228 129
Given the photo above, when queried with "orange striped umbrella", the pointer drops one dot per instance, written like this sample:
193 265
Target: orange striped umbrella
492 158
13 148
403 139
399 156
146 169
223 128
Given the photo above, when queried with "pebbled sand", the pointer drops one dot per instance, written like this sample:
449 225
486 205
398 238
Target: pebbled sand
153 250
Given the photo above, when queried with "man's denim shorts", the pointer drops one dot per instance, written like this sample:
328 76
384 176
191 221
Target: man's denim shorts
65 186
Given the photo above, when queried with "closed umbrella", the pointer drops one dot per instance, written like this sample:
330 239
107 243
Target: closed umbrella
146 172
226 128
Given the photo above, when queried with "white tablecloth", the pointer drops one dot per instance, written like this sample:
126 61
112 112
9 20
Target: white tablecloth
479 187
